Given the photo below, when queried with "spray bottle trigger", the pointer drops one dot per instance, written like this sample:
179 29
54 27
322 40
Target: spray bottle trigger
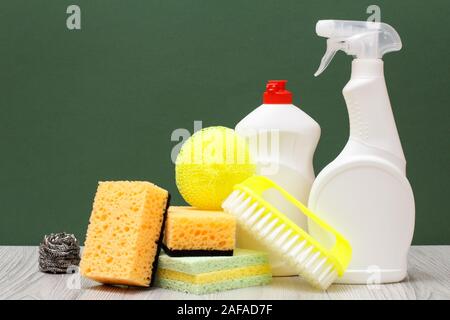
326 59
333 46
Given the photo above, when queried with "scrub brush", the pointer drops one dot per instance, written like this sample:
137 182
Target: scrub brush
317 264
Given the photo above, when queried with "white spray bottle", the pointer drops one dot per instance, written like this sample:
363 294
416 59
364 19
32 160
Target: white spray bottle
364 192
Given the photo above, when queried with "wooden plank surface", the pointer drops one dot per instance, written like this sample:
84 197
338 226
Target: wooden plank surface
428 278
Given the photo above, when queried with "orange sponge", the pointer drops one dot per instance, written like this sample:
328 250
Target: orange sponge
124 233
193 232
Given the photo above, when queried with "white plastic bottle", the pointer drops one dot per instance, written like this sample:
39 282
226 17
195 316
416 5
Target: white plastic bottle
364 192
282 140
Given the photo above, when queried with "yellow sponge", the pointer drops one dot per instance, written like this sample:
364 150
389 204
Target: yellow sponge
215 276
193 232
209 164
124 233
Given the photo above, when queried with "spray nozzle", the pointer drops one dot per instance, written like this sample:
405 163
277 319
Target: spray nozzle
364 40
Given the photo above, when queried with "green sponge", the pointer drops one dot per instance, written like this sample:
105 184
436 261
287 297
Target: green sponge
200 275
197 265
214 286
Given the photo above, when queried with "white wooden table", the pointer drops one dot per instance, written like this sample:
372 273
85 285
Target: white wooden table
428 278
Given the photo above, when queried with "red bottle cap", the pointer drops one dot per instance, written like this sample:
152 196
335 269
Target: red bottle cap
276 93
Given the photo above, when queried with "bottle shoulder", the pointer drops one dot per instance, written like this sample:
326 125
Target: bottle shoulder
280 117
365 167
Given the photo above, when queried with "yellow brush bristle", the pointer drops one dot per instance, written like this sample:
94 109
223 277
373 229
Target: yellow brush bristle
309 261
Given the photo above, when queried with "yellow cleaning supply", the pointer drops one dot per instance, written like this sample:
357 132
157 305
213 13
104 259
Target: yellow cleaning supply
209 164
319 265
193 232
124 233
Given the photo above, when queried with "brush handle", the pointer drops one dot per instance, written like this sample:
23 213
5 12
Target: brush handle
341 251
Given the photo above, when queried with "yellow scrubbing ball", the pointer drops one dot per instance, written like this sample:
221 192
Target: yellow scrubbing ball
209 164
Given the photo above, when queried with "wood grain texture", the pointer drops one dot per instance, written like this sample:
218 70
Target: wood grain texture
428 278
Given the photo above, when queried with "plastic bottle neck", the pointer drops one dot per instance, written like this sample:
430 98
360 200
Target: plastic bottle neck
367 68
371 119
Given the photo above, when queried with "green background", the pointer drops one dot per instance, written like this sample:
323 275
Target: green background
101 103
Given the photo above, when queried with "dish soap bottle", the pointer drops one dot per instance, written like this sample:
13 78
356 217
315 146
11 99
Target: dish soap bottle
282 140
364 192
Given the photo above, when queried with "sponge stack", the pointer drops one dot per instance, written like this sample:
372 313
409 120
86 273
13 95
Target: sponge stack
193 232
124 233
202 275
